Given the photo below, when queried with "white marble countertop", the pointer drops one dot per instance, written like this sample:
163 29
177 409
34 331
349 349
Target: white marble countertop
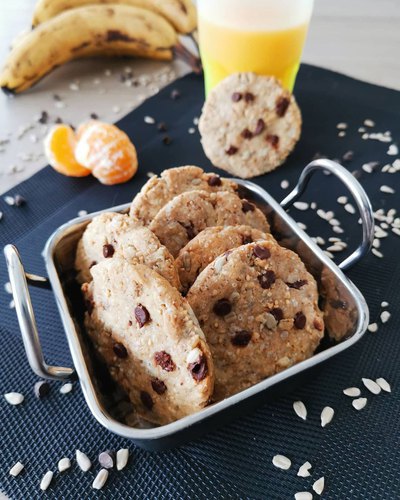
357 37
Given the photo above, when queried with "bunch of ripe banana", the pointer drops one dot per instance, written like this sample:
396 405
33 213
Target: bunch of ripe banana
63 30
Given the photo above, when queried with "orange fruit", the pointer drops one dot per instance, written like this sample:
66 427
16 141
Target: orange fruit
59 147
106 151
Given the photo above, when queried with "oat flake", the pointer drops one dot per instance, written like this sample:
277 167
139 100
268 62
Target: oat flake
281 462
371 385
300 409
327 416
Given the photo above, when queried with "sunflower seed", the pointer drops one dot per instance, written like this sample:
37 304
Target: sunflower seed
335 248
329 254
342 200
14 398
384 304
106 459
387 189
46 480
319 485
66 388
342 133
334 222
303 495
337 229
301 205
327 415
16 469
359 403
300 409
372 327
376 243
367 168
341 126
149 120
64 464
380 233
122 458
281 462
383 384
100 479
352 392
371 385
302 226
377 253
320 240
385 316
369 123
396 231
393 150
83 461
304 470
349 208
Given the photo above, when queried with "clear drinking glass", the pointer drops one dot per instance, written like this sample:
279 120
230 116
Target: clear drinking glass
263 36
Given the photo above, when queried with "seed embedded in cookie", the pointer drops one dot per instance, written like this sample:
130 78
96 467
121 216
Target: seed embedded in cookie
297 284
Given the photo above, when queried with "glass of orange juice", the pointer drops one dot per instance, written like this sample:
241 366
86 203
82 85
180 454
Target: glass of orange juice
262 36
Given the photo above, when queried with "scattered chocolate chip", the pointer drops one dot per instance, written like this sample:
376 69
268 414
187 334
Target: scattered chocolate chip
199 369
348 156
94 116
158 386
146 400
41 389
246 240
267 279
108 251
318 324
241 339
297 284
43 118
222 307
58 120
89 306
120 350
162 127
231 150
338 304
214 180
277 313
167 140
260 127
247 206
142 315
246 134
19 200
282 105
299 320
273 140
106 459
249 97
261 252
175 94
236 97
164 360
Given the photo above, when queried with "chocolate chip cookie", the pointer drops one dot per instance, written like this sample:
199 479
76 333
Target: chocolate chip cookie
208 245
189 213
112 235
249 124
258 308
150 339
158 191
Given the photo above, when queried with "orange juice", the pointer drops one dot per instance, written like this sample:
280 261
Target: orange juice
263 36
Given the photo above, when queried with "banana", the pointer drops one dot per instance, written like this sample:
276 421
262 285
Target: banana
112 30
180 13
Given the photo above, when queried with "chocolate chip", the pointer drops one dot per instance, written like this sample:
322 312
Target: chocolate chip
166 140
246 240
158 386
214 180
199 369
108 251
41 389
175 94
241 339
93 263
261 252
94 116
146 400
260 127
246 134
247 206
222 307
299 320
231 150
338 304
44 117
267 279
164 360
249 97
282 105
19 200
58 120
297 284
348 156
89 306
191 233
273 140
162 127
277 313
142 315
236 96
120 350
106 459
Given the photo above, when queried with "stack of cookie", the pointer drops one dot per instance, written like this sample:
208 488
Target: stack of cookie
189 297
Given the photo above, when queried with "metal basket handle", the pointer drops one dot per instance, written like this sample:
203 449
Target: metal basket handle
26 318
358 193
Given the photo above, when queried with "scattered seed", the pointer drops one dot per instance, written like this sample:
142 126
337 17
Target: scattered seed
284 184
337 229
327 416
376 243
361 130
341 126
149 120
369 123
393 150
342 133
116 109
383 384
66 388
349 208
175 94
348 156
41 389
319 485
335 248
373 327
100 479
329 254
301 205
83 461
384 304
377 253
353 392
387 189
300 409
304 470
94 116
46 480
16 469
7 287
385 316
64 464
320 240
122 458
380 233
1 215
9 200
302 226
166 140
281 462
14 398
359 403
82 213
196 120
342 200
192 130
106 459
303 495
334 222
371 386
313 205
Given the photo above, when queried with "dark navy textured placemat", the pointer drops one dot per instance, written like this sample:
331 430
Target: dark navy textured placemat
358 453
